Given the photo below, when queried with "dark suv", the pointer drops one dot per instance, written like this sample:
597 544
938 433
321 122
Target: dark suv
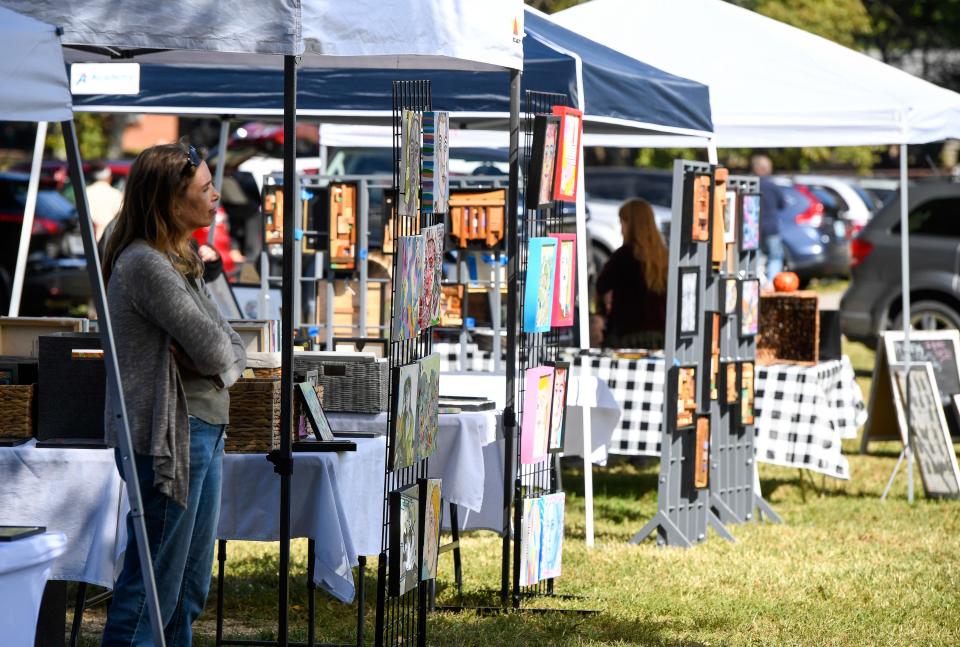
872 302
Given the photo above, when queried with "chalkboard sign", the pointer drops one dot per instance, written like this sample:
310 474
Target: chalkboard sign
928 433
940 348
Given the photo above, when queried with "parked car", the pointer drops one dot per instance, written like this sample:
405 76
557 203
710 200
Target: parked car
607 188
880 190
55 281
843 195
815 239
872 302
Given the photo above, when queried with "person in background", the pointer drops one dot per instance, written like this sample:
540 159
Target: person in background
632 286
772 203
103 199
177 357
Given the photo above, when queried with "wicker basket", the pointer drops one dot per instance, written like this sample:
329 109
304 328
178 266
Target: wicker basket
254 416
789 328
351 386
16 410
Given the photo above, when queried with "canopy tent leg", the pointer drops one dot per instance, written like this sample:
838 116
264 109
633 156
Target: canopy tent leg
905 313
95 275
221 164
26 229
712 156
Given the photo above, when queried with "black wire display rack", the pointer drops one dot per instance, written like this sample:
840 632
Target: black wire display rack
524 351
401 619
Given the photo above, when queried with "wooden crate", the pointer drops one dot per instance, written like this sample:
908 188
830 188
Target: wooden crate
789 328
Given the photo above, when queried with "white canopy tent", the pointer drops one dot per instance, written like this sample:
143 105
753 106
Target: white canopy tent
773 85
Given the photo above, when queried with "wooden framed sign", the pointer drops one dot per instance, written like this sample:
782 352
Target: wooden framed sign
928 435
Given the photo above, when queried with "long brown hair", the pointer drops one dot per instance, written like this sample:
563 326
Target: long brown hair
644 240
151 209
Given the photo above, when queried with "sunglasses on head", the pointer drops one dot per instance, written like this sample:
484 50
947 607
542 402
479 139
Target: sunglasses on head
193 159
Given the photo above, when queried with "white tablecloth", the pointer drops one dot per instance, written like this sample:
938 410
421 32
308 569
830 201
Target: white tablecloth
459 458
332 494
78 492
25 566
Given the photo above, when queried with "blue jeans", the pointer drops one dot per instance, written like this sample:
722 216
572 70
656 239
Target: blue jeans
772 247
181 546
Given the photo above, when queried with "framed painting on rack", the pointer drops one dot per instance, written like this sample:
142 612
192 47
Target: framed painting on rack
432 276
568 153
404 540
531 533
730 295
551 534
428 402
543 157
538 293
406 305
746 393
749 222
409 164
749 307
558 406
564 280
686 395
405 427
537 403
431 498
730 218
687 307
699 208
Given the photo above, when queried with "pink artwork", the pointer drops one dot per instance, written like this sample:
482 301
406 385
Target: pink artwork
537 402
564 276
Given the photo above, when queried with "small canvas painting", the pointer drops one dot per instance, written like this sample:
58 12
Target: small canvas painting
564 280
730 297
409 164
430 495
689 293
318 420
551 539
434 193
746 393
730 219
749 307
409 287
750 222
538 294
558 408
537 401
405 428
543 156
432 276
568 153
531 533
404 540
428 402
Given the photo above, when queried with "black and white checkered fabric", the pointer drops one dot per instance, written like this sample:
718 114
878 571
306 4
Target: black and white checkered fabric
475 359
802 413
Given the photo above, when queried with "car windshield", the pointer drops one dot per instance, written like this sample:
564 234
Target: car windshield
618 186
50 204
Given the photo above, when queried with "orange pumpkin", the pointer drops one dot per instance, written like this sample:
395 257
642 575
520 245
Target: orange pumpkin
786 282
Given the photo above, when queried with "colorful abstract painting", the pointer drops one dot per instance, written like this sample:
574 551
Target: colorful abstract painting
408 287
409 164
428 402
405 427
750 222
404 540
531 532
537 402
431 497
558 407
749 307
432 276
551 535
730 296
538 293
565 273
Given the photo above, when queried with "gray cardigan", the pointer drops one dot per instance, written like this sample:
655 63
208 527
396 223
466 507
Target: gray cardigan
151 306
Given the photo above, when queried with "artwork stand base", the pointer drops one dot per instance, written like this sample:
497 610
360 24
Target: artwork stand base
764 509
714 522
667 532
904 453
722 511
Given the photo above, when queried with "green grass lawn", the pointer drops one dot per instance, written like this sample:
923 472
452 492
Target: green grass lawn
844 569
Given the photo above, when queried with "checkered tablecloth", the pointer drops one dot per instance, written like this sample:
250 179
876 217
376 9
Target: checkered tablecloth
475 359
802 413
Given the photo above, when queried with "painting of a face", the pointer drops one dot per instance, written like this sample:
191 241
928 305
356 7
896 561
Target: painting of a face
405 417
406 307
557 407
428 399
531 529
431 529
551 543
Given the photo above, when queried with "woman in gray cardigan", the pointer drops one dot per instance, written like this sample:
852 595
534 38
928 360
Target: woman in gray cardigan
177 357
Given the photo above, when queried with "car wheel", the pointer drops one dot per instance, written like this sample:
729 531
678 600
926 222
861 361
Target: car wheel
930 315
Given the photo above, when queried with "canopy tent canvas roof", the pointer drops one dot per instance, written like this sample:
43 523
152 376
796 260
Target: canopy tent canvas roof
771 84
620 93
455 34
34 78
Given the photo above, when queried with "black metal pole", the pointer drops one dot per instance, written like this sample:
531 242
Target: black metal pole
509 412
288 317
95 275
